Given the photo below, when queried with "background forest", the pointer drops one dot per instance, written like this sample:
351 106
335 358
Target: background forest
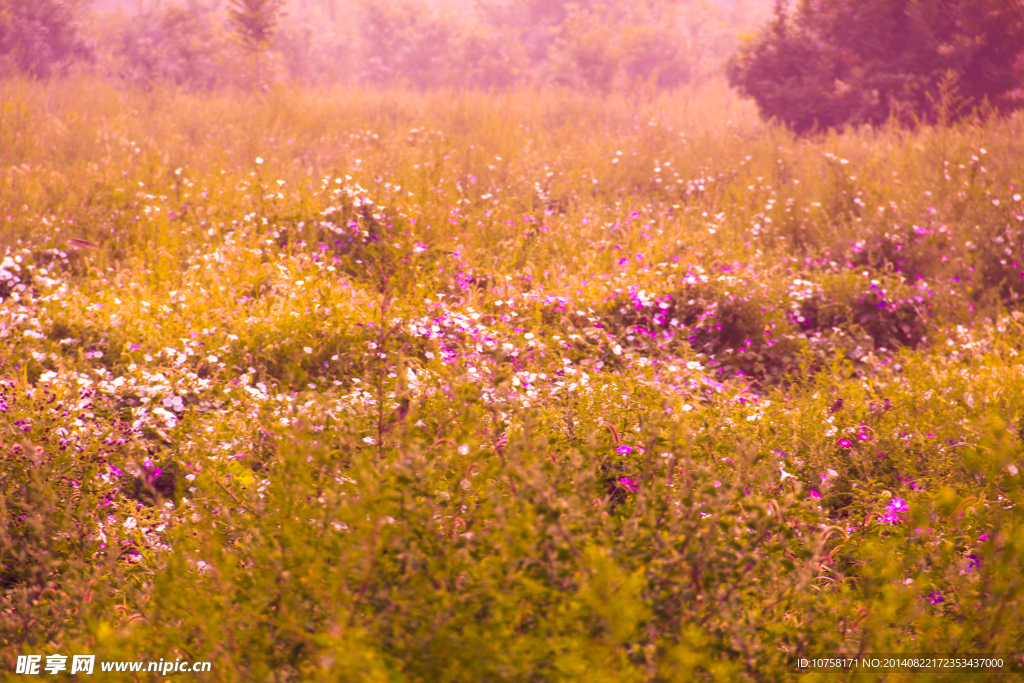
463 43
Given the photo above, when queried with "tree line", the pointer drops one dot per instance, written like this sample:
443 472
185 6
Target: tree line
202 44
810 64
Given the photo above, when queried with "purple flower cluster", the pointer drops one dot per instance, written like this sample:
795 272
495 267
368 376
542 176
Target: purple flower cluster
894 511
152 471
863 435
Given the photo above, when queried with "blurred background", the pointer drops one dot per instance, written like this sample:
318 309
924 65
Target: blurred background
206 44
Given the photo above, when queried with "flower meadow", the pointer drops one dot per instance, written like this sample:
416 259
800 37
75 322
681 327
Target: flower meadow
533 386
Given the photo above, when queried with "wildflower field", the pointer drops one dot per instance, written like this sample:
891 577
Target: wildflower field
537 386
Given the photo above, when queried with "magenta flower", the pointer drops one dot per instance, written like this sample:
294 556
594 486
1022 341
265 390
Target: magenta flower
624 450
897 505
935 598
910 482
892 518
863 436
628 484
815 495
844 443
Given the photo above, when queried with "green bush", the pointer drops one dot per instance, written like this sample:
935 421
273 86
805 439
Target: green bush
837 63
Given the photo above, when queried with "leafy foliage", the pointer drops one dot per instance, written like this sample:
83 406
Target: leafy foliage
40 37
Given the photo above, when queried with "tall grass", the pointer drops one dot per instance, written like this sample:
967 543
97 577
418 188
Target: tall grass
536 385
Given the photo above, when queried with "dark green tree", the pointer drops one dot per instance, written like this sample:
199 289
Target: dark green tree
254 23
40 37
835 62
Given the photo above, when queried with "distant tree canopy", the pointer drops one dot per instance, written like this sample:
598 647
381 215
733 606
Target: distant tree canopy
590 44
837 62
616 44
40 37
